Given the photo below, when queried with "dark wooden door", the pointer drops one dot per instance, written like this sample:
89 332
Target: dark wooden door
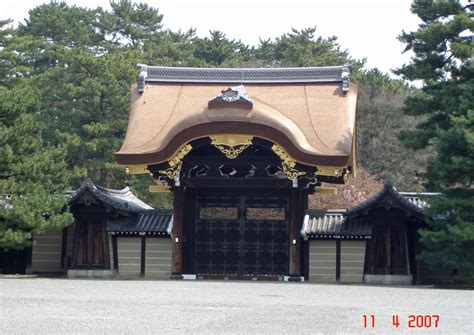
90 248
242 234
387 250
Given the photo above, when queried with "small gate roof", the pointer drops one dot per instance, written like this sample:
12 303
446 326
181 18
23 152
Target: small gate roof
123 200
350 223
388 196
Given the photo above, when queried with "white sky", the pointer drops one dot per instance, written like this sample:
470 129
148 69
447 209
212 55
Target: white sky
367 28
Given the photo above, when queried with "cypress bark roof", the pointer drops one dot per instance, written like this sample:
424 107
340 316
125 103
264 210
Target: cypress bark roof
309 112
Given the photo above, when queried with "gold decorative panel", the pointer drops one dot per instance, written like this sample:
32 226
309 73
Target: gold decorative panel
218 213
180 155
136 169
173 171
287 163
330 171
270 214
231 145
176 162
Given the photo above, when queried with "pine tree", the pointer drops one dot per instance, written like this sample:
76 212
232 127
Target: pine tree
80 63
34 172
443 63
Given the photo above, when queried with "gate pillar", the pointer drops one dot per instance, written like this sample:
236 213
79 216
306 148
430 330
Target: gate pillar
177 233
295 237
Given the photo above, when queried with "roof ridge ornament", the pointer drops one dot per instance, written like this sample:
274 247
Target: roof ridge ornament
233 97
142 77
346 77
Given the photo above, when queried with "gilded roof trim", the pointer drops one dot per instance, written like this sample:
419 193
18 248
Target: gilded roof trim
222 127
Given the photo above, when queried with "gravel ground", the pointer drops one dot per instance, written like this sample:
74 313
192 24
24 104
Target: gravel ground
42 305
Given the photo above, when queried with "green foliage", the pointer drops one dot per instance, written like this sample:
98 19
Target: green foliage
303 48
219 51
443 62
67 70
133 23
31 197
450 239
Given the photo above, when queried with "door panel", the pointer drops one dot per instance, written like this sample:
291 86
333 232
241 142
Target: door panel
242 234
90 251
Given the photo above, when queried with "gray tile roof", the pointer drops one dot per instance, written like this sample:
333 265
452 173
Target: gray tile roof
157 222
388 195
340 223
332 224
119 199
245 75
416 198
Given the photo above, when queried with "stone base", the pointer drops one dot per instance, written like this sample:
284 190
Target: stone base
293 278
389 279
176 276
102 274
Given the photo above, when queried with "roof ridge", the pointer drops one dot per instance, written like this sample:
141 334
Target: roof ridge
244 68
262 75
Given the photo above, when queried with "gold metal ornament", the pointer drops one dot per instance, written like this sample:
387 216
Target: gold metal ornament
176 162
180 155
287 163
173 171
136 169
231 145
330 171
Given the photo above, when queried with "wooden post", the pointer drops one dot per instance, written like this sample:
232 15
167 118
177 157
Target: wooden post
188 233
115 252
64 249
177 234
338 260
143 257
90 245
407 255
371 251
304 250
105 244
75 244
295 237
388 249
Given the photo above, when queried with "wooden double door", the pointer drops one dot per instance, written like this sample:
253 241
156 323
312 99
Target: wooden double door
242 234
90 249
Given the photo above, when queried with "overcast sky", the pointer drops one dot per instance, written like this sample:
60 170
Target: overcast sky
368 28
